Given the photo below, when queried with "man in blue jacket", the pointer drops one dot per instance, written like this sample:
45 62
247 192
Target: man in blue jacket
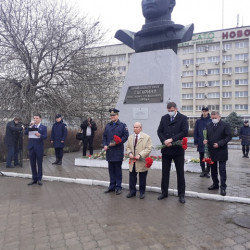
245 139
114 151
37 133
200 125
58 137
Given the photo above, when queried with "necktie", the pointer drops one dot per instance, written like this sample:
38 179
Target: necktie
136 138
172 118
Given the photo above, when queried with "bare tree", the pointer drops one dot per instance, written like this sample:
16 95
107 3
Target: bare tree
41 42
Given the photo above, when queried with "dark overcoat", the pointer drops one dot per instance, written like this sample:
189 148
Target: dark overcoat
220 134
84 126
120 129
177 129
200 125
58 134
245 135
12 133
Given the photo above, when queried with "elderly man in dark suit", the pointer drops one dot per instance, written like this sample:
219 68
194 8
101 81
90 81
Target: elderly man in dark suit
36 148
173 127
218 136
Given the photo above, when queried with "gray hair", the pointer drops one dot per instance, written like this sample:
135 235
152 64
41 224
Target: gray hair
215 113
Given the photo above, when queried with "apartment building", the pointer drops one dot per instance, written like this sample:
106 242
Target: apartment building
215 71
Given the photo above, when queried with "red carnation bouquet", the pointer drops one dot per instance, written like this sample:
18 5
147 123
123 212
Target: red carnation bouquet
182 143
148 161
116 140
206 158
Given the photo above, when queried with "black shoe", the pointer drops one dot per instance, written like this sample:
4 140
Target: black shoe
213 187
223 192
118 191
55 162
59 163
203 174
109 191
247 156
243 156
39 183
162 196
129 195
31 183
142 196
182 200
207 175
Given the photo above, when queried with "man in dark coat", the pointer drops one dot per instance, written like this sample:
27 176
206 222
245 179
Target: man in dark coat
200 125
88 128
114 151
37 134
58 137
13 130
218 136
245 139
173 127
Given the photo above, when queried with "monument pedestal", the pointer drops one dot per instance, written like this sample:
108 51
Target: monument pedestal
153 80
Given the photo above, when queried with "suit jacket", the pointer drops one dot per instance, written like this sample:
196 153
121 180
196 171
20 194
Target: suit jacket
220 134
37 144
143 148
177 129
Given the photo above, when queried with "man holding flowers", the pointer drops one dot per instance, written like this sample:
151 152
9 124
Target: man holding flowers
218 136
173 127
138 149
114 137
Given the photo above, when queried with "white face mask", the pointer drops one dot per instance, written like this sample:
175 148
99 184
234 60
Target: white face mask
171 113
215 121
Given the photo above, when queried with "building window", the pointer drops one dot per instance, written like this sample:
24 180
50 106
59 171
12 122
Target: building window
121 58
200 72
213 71
241 57
121 69
113 59
227 58
200 96
188 50
187 108
241 45
187 96
226 71
214 107
227 46
213 59
241 93
241 82
214 47
227 107
213 83
227 83
187 73
199 107
188 61
241 69
241 107
213 95
226 94
200 49
200 84
187 85
200 60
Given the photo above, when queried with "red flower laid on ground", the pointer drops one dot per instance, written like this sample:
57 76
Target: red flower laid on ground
149 162
117 139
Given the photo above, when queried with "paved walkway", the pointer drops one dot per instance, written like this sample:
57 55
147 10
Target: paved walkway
71 216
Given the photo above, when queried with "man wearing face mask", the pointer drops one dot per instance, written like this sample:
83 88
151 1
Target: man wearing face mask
173 127
218 136
245 139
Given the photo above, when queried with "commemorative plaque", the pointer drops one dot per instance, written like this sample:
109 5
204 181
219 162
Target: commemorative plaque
144 94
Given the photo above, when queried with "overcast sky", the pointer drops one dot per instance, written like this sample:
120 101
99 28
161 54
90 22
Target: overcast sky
205 14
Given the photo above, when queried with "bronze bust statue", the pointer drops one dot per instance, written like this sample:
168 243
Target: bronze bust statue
158 32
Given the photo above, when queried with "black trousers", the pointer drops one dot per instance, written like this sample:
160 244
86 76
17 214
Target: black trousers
88 140
166 166
222 171
245 149
115 175
133 181
59 153
203 164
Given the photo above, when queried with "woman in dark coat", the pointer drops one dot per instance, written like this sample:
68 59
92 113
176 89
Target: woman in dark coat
58 137
245 139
